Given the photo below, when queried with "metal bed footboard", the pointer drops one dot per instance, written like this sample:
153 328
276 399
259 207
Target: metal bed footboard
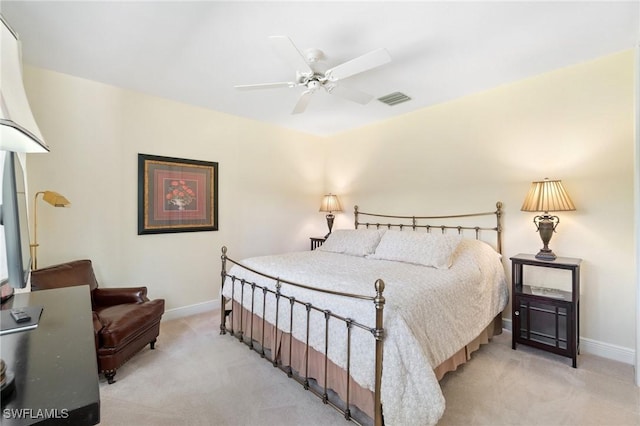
303 378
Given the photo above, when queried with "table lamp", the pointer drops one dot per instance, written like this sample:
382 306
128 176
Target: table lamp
547 196
330 204
56 200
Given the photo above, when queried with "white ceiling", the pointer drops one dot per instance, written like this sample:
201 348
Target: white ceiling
195 52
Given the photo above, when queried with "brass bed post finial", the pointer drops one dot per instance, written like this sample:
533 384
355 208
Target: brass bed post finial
379 335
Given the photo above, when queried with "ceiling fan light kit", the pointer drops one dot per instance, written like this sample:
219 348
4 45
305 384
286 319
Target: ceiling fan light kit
312 75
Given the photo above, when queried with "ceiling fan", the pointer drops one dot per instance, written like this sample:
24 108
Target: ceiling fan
311 72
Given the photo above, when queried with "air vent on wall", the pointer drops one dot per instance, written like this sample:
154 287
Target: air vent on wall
394 98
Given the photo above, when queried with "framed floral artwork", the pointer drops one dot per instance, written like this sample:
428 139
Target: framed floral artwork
176 195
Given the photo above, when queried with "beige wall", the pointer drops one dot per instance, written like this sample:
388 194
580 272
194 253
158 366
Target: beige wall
575 124
269 181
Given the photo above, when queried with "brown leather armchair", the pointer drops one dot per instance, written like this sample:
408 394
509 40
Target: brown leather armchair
124 319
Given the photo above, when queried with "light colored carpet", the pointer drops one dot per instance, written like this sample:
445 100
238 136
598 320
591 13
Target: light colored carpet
197 377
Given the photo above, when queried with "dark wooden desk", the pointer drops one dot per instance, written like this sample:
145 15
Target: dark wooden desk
55 366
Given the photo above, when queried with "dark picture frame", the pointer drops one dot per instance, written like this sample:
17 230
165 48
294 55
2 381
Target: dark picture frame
176 195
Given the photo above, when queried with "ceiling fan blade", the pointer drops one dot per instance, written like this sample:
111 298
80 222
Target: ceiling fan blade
360 64
290 53
351 94
303 101
265 85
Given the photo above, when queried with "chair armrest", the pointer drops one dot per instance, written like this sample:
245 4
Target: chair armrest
118 296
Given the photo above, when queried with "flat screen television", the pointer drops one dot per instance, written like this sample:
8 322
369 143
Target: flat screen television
15 224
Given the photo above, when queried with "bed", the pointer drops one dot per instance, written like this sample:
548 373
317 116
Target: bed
372 319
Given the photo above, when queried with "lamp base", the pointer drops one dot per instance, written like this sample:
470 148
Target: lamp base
330 218
547 254
546 226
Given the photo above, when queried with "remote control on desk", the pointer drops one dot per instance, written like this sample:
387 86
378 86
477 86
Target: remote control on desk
19 315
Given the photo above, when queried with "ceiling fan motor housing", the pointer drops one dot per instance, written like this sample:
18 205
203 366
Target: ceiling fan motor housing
314 55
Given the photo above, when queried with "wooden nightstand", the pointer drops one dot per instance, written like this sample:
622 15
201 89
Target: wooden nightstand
545 318
317 242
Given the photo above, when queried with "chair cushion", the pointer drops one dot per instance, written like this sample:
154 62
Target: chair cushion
122 323
118 296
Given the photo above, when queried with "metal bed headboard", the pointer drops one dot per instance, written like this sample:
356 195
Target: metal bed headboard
417 222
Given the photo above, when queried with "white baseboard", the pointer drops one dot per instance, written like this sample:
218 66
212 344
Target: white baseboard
595 347
186 311
607 350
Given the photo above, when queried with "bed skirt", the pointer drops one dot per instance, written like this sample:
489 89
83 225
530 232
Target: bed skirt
279 345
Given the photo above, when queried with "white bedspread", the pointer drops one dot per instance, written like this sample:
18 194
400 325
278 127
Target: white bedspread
429 315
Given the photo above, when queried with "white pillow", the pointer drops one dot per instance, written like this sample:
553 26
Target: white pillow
355 242
419 247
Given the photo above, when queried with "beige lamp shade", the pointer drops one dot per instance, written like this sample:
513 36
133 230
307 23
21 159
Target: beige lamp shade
547 196
18 129
330 203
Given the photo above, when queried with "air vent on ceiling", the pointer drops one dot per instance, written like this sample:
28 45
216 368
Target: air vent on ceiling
394 98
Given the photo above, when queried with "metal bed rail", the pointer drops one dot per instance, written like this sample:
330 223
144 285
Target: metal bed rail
250 289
